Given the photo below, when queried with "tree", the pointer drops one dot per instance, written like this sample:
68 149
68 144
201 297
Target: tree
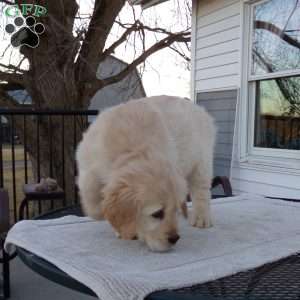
61 72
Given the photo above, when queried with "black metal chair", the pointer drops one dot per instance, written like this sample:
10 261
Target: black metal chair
4 260
33 195
225 184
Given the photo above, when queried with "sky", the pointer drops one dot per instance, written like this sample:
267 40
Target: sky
164 73
173 77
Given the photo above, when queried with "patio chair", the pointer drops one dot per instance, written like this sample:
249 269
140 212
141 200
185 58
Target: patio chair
225 184
30 195
34 195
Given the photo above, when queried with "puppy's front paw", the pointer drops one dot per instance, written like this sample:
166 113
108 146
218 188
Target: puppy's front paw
201 219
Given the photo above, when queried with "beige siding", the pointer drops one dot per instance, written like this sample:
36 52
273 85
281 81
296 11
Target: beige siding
226 12
217 45
217 83
210 62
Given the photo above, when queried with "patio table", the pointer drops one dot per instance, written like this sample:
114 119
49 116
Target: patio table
277 280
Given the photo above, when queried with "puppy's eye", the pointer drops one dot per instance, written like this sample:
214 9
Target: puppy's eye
159 214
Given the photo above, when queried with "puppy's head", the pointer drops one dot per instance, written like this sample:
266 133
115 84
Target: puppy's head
143 203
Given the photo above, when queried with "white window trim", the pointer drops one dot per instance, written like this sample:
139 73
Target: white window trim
248 154
274 75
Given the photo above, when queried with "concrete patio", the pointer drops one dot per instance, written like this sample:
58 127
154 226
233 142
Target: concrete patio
27 285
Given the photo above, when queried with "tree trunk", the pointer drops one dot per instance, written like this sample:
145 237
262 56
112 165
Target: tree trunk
51 84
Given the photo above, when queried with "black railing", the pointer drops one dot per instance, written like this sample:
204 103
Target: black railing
29 149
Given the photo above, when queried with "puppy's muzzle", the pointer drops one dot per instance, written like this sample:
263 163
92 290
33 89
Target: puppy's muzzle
173 239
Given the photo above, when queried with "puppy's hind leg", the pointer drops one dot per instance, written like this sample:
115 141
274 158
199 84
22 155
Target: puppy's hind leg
91 196
200 184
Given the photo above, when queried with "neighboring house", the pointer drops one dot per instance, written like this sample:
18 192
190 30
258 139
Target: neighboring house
245 71
21 96
130 87
146 3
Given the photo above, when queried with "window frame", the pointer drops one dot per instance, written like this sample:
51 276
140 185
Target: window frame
248 153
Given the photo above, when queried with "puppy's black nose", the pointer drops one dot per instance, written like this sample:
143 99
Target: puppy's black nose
173 239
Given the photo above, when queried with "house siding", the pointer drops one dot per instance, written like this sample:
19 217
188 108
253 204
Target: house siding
217 45
221 105
216 80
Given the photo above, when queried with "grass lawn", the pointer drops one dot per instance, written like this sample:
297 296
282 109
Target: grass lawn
19 179
19 175
8 184
7 153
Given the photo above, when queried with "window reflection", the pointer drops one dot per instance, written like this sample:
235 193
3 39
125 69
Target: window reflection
277 123
276 37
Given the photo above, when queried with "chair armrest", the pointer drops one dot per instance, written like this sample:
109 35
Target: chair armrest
219 180
225 183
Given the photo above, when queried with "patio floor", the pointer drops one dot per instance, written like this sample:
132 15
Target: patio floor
27 285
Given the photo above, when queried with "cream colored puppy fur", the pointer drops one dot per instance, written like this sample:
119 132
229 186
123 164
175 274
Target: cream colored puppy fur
138 161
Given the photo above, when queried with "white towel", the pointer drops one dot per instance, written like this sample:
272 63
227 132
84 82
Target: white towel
248 231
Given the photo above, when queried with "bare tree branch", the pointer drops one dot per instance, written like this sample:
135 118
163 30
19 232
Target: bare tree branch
102 20
122 39
277 31
164 43
141 25
96 84
181 54
75 61
137 26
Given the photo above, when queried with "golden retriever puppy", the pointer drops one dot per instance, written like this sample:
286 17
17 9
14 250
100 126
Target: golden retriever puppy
138 161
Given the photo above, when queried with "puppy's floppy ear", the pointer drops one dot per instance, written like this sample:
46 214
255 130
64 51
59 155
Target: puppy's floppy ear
181 191
119 207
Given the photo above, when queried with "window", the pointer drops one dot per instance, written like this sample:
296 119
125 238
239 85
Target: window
277 122
273 78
